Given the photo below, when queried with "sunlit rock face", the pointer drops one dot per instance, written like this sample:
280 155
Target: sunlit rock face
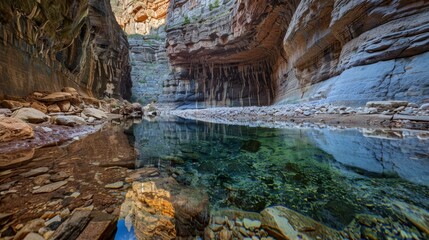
47 45
144 22
140 17
238 52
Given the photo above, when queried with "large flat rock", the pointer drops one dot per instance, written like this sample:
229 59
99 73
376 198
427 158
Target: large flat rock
14 129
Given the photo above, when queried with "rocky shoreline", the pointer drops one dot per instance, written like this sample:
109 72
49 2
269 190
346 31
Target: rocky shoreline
380 114
63 161
74 185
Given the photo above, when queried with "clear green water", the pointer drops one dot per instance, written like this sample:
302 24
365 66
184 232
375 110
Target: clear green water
329 175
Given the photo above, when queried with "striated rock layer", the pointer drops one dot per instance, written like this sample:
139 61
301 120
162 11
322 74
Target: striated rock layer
239 52
47 45
144 22
140 17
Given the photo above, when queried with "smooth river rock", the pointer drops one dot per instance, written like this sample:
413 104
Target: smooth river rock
30 115
285 223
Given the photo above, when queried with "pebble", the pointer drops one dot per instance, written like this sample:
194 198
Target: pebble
251 224
216 227
115 185
50 187
57 218
33 236
35 172
225 235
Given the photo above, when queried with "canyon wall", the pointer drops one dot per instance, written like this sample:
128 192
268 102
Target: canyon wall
144 23
237 52
47 45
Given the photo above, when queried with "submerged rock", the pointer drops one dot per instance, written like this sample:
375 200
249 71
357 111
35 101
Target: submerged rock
417 216
251 146
284 223
14 129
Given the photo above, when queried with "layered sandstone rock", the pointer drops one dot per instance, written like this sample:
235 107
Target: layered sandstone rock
140 17
262 52
163 209
144 22
47 45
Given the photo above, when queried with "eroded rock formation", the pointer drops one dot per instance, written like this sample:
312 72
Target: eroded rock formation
262 52
144 22
140 17
162 209
47 45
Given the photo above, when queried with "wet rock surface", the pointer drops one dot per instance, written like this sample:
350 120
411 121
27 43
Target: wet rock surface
162 208
59 183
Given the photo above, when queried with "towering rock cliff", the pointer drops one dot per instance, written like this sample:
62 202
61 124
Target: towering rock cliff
46 45
237 52
144 22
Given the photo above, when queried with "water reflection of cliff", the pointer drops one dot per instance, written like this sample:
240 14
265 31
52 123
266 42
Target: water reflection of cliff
377 152
402 153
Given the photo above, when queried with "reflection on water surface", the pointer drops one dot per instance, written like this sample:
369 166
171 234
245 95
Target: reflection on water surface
329 175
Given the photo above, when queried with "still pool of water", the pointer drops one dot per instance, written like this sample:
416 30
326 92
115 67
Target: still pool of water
331 175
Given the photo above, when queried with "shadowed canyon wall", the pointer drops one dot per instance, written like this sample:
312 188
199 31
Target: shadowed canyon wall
47 45
236 52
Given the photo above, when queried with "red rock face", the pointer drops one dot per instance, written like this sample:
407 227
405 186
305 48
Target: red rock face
261 52
50 45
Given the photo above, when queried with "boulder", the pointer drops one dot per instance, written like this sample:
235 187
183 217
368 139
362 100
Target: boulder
5 112
10 104
92 112
70 120
64 106
30 115
386 105
284 223
163 209
424 106
91 101
70 90
14 129
9 159
57 97
54 108
39 106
